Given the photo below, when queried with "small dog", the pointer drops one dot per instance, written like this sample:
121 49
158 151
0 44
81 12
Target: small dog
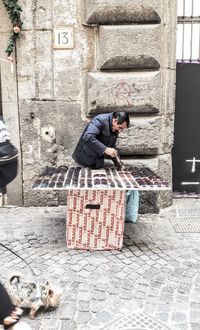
32 295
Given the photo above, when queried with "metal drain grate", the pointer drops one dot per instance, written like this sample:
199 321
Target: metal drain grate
137 321
186 224
188 212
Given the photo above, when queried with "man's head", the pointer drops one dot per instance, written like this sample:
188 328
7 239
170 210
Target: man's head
120 121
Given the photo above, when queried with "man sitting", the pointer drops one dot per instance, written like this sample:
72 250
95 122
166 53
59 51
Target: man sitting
99 139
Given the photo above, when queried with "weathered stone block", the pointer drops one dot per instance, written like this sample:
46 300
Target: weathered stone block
39 197
64 12
169 33
150 162
8 79
40 78
43 65
28 9
38 138
142 138
35 73
165 171
153 201
168 133
148 202
118 11
67 75
165 167
48 133
127 47
5 24
69 128
42 9
168 91
41 14
26 66
132 92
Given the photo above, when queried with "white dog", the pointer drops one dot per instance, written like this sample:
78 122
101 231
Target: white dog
33 295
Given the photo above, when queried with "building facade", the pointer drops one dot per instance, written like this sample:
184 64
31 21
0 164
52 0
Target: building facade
78 58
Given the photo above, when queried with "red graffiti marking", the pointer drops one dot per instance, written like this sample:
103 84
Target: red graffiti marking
124 93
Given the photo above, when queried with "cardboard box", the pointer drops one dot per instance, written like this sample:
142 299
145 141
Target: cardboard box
95 219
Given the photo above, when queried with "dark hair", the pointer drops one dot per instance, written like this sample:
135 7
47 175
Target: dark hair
122 117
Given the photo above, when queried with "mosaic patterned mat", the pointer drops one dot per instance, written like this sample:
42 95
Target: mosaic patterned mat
132 178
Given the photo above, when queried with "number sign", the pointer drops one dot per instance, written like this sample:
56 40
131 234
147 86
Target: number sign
63 38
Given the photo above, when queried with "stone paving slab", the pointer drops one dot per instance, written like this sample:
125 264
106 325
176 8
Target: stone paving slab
135 321
156 272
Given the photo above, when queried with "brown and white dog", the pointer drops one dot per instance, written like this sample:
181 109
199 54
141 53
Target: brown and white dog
32 295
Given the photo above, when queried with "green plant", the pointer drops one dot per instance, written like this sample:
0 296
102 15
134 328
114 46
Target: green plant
14 10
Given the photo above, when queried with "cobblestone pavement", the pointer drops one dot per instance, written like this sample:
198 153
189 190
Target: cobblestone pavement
153 283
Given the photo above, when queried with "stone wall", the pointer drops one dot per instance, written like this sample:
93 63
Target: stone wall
50 91
123 60
134 71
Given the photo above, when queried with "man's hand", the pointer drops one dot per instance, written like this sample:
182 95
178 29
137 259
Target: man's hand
111 152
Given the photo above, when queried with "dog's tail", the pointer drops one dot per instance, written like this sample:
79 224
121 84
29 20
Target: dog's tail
15 278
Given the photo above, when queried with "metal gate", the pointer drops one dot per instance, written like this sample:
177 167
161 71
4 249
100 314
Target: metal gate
186 150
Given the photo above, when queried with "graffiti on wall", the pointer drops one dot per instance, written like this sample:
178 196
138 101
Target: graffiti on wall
193 162
122 94
127 94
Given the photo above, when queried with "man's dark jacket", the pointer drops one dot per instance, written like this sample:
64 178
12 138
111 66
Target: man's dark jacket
96 137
